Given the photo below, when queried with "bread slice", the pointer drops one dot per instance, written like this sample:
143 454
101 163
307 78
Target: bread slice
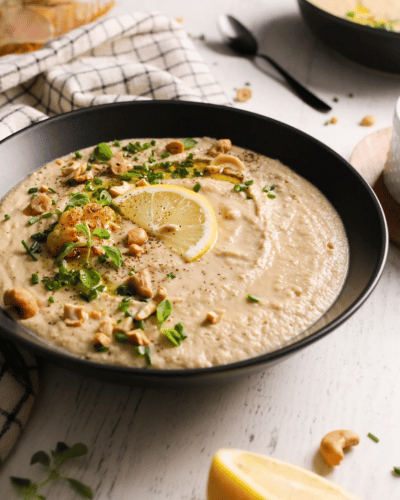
62 15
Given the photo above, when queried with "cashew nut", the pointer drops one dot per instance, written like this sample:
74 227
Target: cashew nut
40 204
137 337
138 236
175 147
118 164
221 146
335 443
228 161
21 301
141 283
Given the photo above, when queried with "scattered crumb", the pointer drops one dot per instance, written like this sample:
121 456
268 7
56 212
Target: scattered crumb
243 95
332 121
368 121
179 20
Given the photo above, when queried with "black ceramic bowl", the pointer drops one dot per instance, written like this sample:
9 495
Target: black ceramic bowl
356 203
375 48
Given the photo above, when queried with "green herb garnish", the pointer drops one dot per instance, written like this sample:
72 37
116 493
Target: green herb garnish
30 490
374 438
51 300
35 279
33 190
175 335
252 298
163 312
7 217
114 254
396 471
99 232
78 155
121 337
188 143
197 187
171 276
124 304
33 220
29 250
102 152
144 350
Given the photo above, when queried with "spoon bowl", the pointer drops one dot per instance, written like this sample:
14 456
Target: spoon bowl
243 42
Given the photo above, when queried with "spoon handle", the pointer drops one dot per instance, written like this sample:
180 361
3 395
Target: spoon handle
300 90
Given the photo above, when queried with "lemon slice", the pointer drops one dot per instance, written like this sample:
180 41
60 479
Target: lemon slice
184 220
241 475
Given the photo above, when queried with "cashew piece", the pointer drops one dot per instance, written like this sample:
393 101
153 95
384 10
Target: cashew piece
224 161
40 204
335 443
21 302
118 164
138 236
221 146
175 147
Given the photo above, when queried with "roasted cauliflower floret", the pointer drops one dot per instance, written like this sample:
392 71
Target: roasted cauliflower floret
65 231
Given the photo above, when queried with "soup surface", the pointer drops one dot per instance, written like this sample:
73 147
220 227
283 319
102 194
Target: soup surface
170 253
382 14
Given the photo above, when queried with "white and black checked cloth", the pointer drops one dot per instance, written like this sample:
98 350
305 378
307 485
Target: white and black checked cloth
124 58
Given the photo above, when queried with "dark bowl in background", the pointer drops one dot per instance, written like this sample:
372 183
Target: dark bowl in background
372 47
352 197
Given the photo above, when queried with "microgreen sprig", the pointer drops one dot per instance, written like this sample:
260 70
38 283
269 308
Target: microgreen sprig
29 490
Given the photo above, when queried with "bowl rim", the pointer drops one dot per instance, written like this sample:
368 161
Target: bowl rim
351 24
54 353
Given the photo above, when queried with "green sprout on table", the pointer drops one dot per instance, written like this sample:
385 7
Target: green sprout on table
29 490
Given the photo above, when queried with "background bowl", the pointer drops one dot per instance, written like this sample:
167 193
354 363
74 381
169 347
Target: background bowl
375 48
352 197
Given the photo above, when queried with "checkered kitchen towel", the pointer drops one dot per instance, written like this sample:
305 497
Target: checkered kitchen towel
126 58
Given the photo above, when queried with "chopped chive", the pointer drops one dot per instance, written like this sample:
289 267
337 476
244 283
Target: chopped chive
153 142
249 197
52 190
33 190
29 250
132 271
197 187
121 337
35 279
7 217
51 300
252 298
47 215
171 276
270 195
374 438
165 155
53 202
396 471
140 324
249 183
117 143
100 348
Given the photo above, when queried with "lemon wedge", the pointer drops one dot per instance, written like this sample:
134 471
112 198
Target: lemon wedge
241 475
184 220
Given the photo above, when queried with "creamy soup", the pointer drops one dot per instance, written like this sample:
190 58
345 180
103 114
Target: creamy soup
383 14
78 271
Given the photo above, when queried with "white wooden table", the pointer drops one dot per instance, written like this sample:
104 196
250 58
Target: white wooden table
158 444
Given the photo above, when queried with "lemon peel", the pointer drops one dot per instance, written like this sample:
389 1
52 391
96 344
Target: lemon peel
183 219
241 475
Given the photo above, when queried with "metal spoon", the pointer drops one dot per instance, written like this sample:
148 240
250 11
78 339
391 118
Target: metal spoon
242 41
